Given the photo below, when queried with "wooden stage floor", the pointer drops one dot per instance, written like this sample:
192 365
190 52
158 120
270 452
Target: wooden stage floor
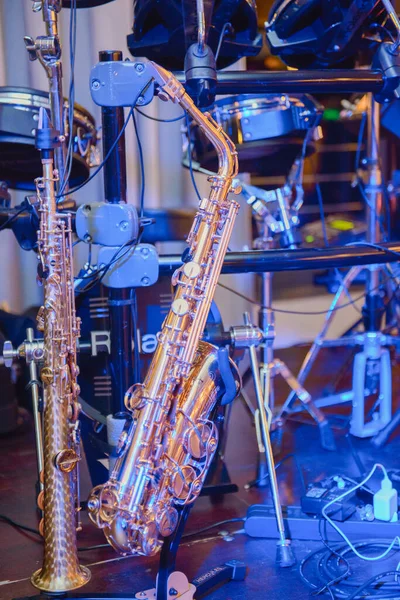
21 552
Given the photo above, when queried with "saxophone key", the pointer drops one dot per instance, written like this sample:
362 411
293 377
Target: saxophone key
47 375
181 482
167 520
200 439
180 307
40 500
66 460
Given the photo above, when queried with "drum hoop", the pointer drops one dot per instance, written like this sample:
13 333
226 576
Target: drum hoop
35 99
236 104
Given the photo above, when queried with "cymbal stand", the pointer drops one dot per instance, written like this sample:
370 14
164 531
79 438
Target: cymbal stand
277 213
372 368
47 49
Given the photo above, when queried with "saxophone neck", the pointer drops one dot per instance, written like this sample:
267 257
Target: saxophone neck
171 89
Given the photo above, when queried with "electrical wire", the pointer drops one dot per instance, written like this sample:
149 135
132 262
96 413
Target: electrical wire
189 150
391 546
112 148
277 465
18 525
221 39
71 95
141 161
98 275
377 247
12 218
159 120
293 312
213 526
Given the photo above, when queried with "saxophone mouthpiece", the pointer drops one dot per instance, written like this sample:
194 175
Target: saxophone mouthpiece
46 137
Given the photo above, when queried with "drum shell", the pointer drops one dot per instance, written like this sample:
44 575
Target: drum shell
268 132
19 159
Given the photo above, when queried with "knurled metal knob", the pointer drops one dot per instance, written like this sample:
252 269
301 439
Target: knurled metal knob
8 354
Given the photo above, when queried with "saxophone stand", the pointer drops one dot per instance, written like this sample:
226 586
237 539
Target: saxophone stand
372 375
173 584
276 215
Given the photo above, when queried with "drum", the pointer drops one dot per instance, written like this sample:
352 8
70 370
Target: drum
84 3
321 33
19 159
269 132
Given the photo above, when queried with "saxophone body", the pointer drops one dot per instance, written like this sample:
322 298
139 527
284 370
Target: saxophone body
166 449
59 499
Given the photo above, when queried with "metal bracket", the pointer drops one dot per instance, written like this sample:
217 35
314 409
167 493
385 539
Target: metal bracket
107 224
135 267
115 83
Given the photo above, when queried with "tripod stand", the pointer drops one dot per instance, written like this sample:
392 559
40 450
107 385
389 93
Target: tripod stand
371 369
275 214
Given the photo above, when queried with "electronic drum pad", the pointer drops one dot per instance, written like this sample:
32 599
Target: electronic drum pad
325 33
163 31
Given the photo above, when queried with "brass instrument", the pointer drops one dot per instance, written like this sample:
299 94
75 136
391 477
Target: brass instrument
166 449
57 319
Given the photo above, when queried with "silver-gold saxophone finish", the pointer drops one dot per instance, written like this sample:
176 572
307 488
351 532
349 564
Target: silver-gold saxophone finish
59 499
166 450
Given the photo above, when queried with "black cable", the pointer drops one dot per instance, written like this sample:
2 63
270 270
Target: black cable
327 575
196 189
370 581
387 251
95 547
159 120
18 525
221 39
71 95
12 218
360 141
291 312
98 275
213 526
277 465
112 148
141 161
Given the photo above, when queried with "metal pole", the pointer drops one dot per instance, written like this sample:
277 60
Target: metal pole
335 81
119 300
284 553
267 325
374 188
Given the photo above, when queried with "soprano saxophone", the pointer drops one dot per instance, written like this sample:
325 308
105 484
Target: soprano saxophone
166 449
59 500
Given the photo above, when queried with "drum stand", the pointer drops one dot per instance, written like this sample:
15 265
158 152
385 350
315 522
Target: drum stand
274 214
372 368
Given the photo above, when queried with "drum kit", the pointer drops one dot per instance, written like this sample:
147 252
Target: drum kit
275 135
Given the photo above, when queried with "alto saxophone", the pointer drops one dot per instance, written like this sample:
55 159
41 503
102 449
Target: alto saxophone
59 499
166 449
